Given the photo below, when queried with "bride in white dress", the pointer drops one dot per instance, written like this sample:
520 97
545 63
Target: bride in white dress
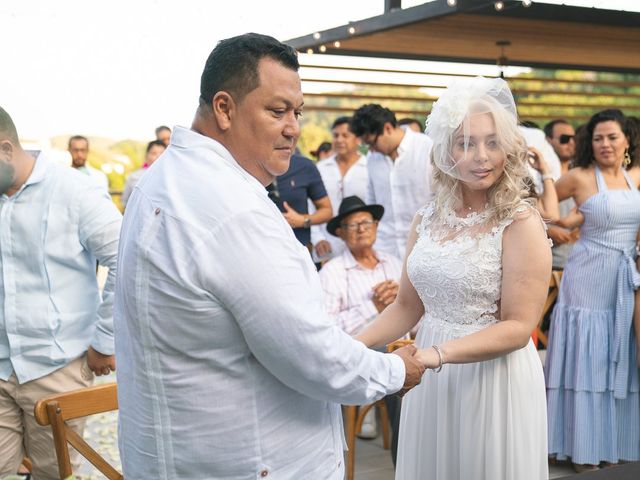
477 273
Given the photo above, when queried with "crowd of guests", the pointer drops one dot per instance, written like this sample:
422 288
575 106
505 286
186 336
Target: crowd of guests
353 210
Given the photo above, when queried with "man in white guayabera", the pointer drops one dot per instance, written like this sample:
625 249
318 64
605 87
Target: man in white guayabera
229 366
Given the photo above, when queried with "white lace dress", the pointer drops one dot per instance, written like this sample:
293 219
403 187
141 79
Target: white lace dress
484 420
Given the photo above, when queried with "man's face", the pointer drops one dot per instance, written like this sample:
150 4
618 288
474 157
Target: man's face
7 168
382 142
359 231
563 133
152 155
264 126
345 143
79 149
164 136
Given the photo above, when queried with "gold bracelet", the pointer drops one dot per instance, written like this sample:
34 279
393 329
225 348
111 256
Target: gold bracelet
440 356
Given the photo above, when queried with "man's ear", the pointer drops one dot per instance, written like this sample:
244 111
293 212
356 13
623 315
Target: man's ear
6 147
388 128
223 107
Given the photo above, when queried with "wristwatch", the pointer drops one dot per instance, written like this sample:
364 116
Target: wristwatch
307 222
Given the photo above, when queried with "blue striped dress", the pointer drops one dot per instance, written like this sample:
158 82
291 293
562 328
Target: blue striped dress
591 370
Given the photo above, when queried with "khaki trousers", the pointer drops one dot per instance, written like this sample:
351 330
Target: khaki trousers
20 435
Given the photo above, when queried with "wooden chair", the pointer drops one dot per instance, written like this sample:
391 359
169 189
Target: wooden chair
554 288
56 410
354 416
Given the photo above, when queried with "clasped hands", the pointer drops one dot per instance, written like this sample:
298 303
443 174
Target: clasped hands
416 361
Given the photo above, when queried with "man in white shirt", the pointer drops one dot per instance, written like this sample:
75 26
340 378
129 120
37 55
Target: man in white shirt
561 136
228 365
79 151
344 174
399 173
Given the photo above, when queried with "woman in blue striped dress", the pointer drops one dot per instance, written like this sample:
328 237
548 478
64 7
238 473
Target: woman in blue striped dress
592 367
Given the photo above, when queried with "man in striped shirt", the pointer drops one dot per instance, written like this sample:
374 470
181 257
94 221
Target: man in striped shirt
361 282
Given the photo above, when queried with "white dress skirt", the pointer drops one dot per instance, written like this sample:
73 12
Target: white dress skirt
484 420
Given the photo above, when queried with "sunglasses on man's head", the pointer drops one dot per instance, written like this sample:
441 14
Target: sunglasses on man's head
566 138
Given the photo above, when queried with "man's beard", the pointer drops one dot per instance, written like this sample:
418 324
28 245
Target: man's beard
7 176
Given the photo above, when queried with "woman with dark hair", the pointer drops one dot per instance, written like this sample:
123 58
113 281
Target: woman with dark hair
591 369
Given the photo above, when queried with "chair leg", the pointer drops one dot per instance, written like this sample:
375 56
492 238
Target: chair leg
59 440
351 413
384 420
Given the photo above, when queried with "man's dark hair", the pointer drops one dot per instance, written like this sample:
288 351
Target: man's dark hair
162 128
340 121
548 128
233 65
7 127
155 143
530 124
370 119
78 137
584 147
409 121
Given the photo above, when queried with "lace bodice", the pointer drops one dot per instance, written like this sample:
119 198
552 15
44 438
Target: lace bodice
455 266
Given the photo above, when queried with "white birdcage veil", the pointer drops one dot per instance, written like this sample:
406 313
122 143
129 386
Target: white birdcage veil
450 115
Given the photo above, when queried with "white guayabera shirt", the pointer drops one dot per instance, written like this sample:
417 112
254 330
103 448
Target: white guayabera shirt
402 187
228 365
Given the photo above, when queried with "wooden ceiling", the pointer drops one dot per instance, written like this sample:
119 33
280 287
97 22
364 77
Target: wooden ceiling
544 36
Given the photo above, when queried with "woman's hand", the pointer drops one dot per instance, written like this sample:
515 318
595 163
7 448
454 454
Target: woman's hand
428 357
536 160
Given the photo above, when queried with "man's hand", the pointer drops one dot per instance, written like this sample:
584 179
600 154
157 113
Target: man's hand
292 217
559 235
100 364
384 293
414 369
323 248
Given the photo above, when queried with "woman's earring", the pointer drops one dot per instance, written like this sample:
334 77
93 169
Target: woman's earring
627 158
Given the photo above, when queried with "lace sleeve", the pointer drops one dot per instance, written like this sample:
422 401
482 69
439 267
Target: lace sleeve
425 212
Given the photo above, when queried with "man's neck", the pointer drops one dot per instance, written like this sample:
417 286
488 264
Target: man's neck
564 166
345 162
365 257
25 164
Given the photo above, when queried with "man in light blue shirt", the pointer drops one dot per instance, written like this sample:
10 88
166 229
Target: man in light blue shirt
56 330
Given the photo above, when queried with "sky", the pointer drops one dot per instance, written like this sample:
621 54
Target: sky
120 68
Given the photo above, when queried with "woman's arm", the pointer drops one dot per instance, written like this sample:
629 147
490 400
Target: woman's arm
566 185
525 284
548 201
402 315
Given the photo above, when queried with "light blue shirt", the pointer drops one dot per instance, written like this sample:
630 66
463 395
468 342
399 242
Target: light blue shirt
52 231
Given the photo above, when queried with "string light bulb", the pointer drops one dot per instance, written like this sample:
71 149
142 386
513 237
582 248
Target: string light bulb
526 3
452 3
323 48
336 44
316 35
352 30
499 6
309 51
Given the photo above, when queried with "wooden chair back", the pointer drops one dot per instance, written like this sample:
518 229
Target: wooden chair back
56 410
554 289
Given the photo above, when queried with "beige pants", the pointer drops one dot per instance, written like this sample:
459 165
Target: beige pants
20 435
